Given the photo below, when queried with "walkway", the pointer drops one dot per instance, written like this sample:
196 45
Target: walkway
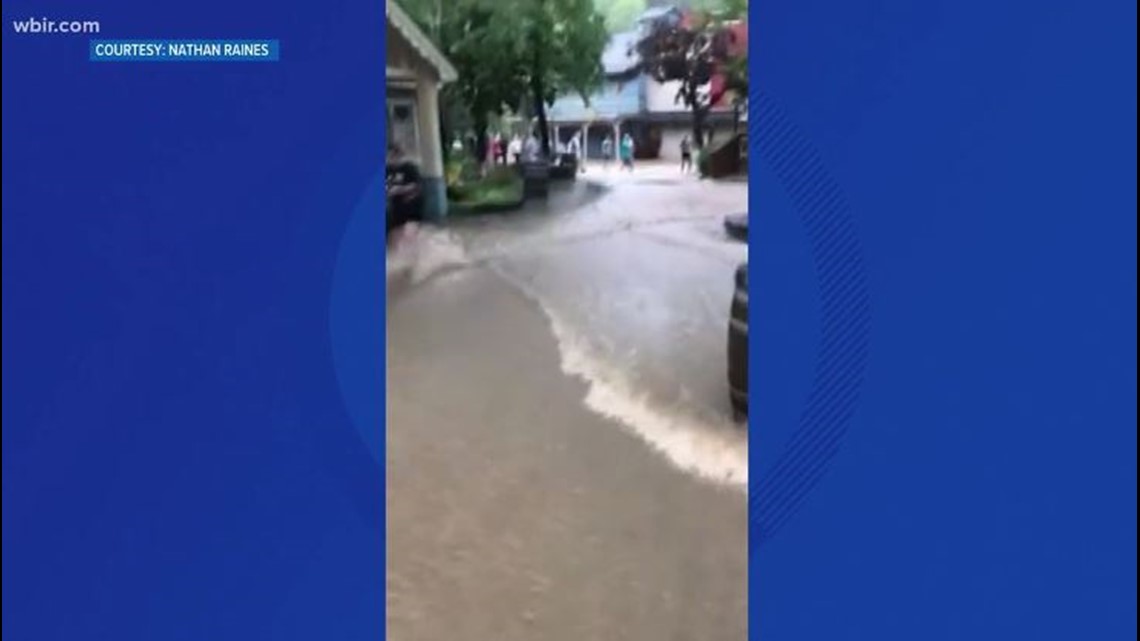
561 461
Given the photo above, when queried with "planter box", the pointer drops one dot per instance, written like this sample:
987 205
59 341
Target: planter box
536 179
565 167
471 209
725 159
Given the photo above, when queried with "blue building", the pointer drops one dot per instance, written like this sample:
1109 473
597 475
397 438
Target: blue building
630 101
616 104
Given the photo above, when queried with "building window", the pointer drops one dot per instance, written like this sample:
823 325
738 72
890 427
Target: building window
402 125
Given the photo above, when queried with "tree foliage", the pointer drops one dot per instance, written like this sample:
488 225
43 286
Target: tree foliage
690 49
734 68
483 50
620 15
505 50
563 45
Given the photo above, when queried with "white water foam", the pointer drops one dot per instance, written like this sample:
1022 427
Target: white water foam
714 451
423 253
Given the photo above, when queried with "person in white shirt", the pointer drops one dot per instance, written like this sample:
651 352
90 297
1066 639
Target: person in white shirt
607 151
532 148
575 149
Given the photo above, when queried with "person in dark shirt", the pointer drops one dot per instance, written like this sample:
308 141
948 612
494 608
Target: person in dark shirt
405 197
686 155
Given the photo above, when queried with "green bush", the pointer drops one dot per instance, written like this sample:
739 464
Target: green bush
501 186
501 176
453 173
460 168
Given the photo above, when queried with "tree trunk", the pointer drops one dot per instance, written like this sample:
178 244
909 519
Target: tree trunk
481 141
698 127
698 119
543 126
539 90
538 85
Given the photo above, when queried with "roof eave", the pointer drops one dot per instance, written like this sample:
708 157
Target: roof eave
420 42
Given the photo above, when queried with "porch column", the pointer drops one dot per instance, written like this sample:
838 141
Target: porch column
584 148
431 154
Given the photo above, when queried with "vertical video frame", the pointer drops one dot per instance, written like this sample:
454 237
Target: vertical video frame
567 320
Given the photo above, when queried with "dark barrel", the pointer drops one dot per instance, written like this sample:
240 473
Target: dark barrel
738 344
536 178
565 167
737 226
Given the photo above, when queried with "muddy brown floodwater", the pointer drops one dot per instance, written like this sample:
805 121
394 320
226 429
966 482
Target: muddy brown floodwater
561 467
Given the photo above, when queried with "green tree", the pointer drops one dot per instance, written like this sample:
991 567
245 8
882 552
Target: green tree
562 48
731 66
690 51
507 49
481 41
620 15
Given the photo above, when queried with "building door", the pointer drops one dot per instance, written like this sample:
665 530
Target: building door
403 127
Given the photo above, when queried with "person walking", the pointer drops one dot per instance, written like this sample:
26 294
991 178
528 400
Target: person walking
607 151
532 148
575 150
686 155
626 152
500 150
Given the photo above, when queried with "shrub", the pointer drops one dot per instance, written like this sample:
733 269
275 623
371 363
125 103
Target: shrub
501 186
460 168
501 176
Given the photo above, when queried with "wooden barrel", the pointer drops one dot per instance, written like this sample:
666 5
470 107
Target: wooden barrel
738 344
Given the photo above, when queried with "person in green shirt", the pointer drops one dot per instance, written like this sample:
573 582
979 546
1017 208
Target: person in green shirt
625 151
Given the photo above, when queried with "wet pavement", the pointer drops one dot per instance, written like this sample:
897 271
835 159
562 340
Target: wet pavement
562 459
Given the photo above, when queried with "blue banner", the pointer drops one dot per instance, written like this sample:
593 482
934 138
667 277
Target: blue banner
185 51
178 459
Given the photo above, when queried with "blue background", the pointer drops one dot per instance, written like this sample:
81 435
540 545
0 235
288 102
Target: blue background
979 159
178 459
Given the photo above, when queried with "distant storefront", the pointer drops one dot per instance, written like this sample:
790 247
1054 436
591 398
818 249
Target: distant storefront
631 102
